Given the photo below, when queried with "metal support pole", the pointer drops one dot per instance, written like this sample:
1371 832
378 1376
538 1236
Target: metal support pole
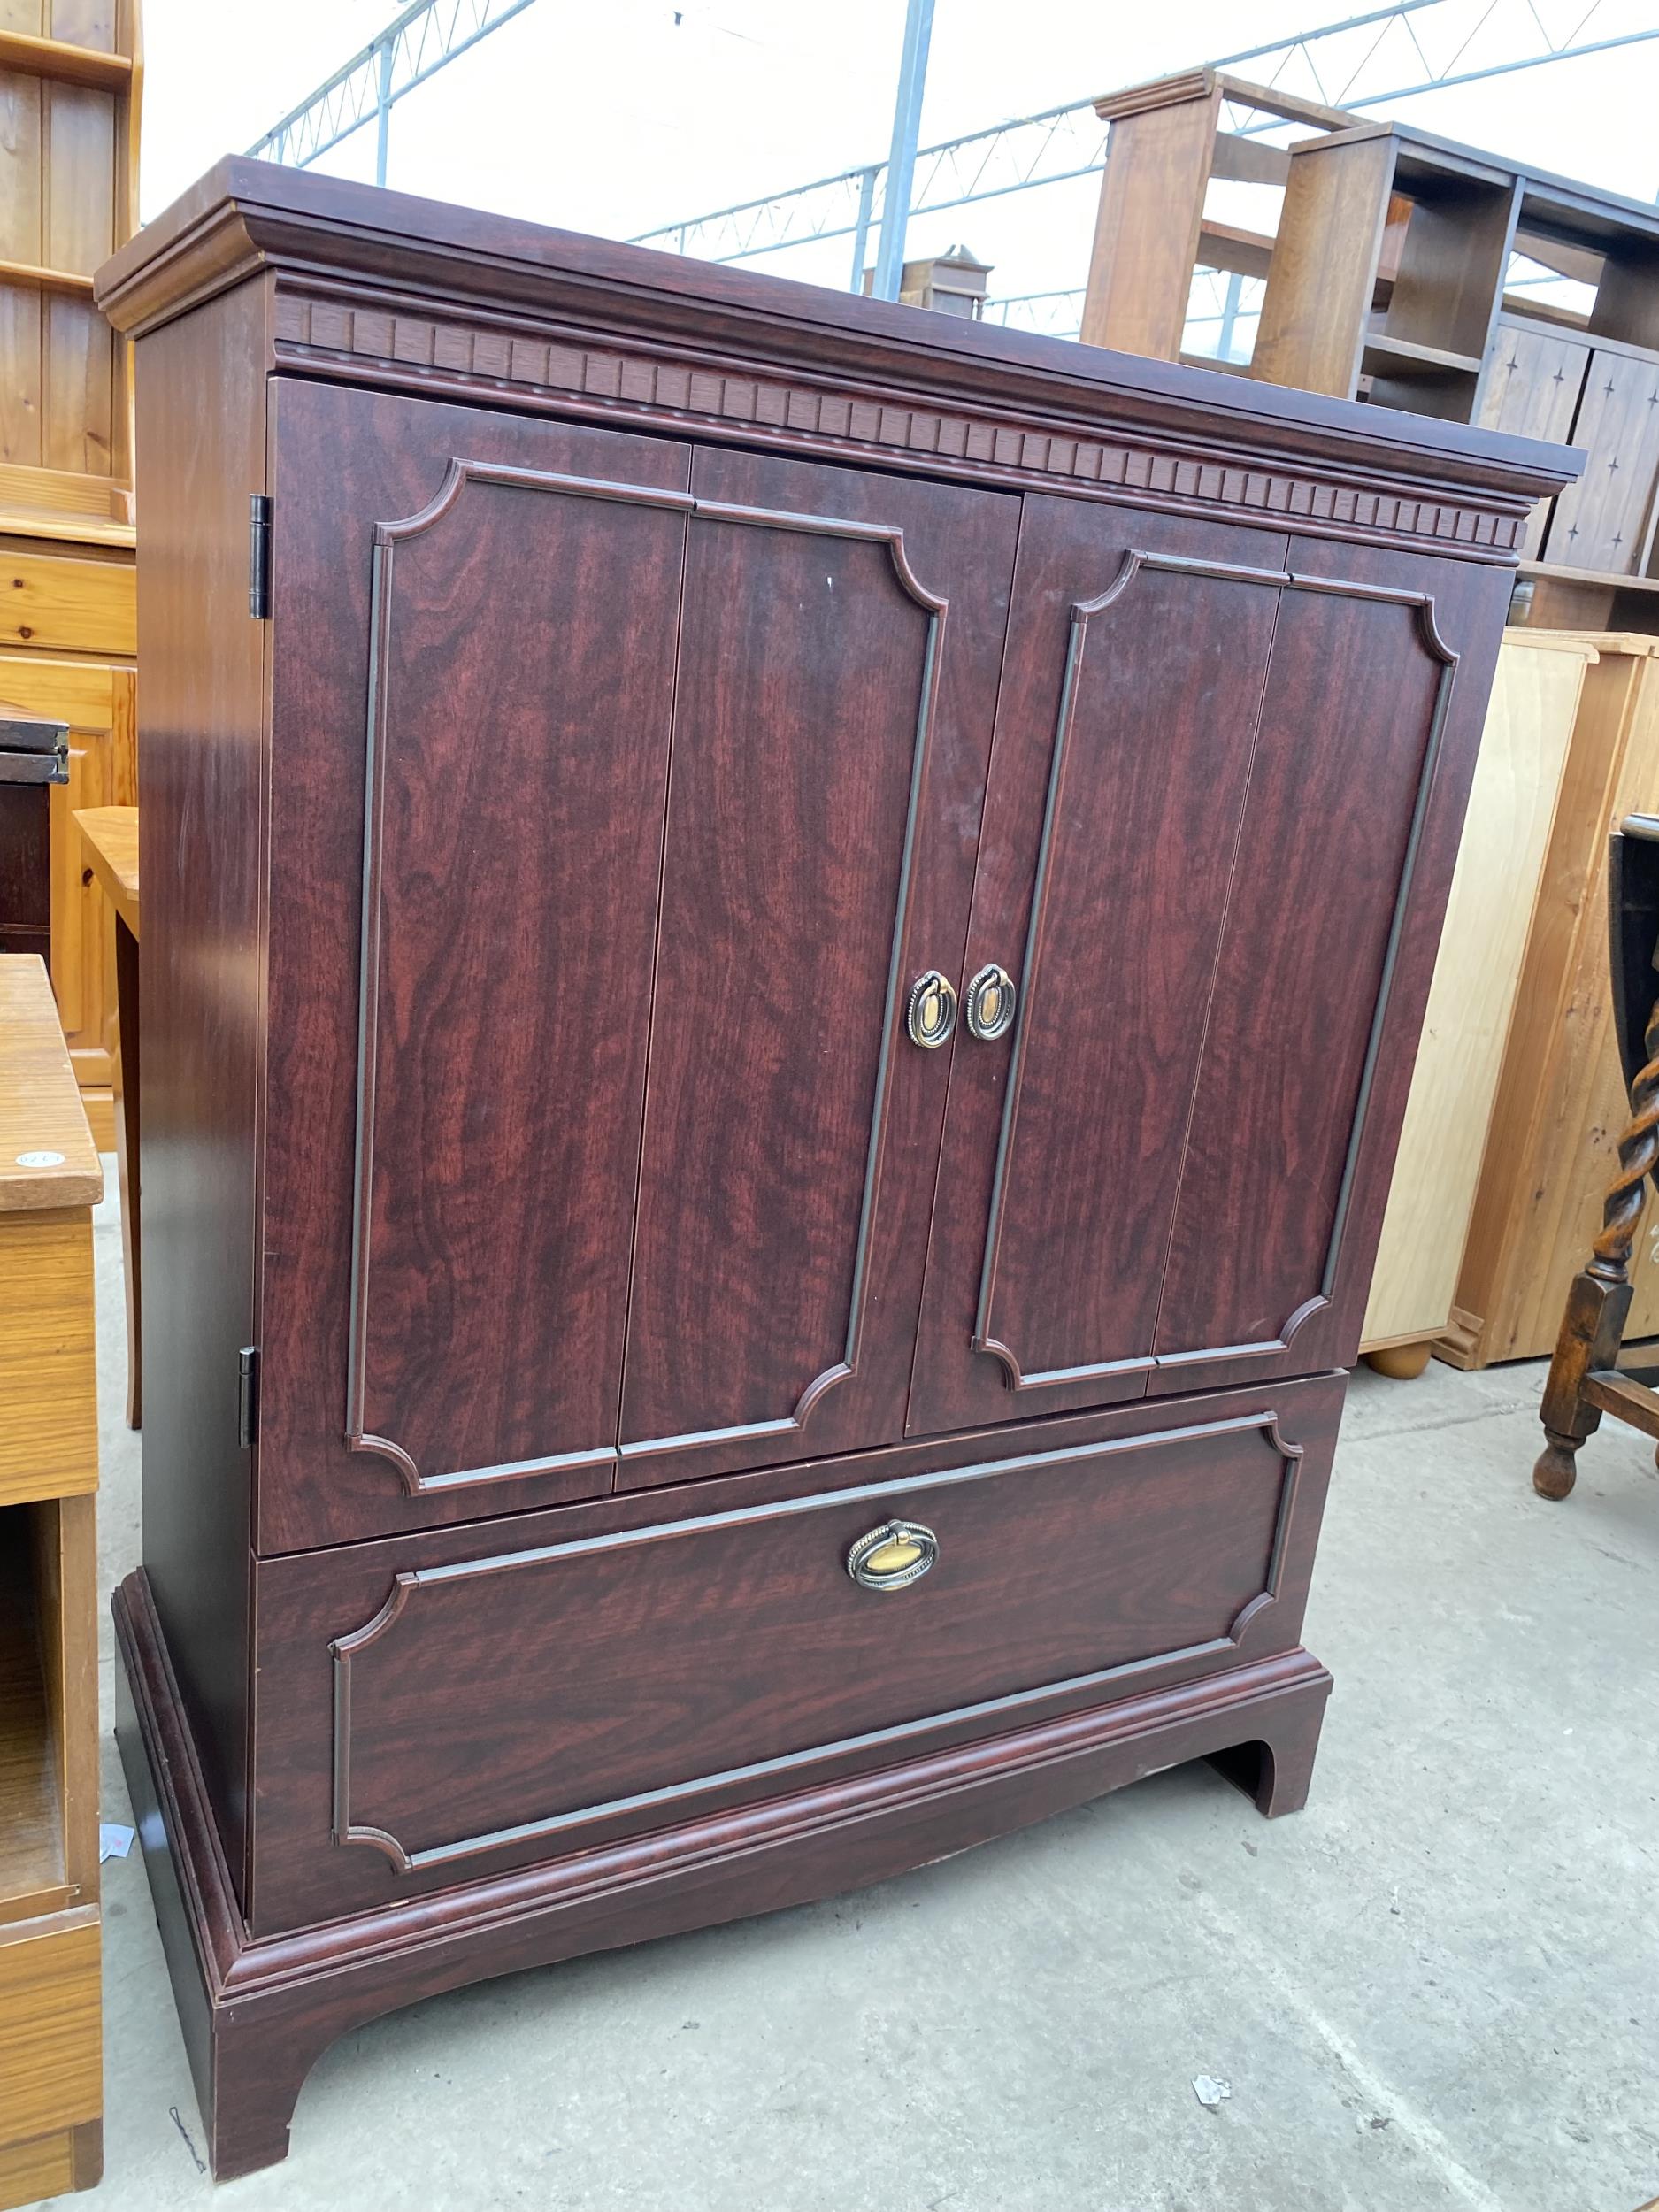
861 228
383 111
1229 316
907 116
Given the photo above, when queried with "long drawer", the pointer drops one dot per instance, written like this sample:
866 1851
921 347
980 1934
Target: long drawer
438 1707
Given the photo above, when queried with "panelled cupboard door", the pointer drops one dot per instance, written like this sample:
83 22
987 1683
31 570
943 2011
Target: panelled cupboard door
840 641
1148 1183
597 1152
467 784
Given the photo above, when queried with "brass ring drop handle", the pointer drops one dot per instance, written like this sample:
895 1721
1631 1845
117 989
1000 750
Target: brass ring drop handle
930 1012
893 1556
990 1003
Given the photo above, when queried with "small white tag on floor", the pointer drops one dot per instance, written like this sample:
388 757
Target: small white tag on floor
114 1841
1210 2093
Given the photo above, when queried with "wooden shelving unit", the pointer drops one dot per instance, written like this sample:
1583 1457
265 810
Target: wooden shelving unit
50 2054
71 77
1387 279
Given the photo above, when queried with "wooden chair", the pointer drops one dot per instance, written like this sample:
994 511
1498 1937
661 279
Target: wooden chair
1585 1378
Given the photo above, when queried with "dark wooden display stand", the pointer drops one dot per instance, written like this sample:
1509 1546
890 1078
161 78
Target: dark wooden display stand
780 972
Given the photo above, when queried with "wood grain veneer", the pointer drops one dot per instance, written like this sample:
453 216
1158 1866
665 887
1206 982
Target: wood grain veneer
562 1251
49 1176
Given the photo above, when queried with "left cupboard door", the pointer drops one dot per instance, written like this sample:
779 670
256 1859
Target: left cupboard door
471 668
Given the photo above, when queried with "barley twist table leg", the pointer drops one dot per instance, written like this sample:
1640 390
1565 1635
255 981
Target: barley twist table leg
1593 1326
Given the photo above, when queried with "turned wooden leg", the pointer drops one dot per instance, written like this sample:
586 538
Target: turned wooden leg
1593 1326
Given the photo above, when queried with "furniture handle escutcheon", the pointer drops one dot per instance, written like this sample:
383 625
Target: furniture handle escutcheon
930 1014
990 1002
893 1556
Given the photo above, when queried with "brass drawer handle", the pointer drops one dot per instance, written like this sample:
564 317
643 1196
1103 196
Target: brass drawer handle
893 1556
990 1002
931 1013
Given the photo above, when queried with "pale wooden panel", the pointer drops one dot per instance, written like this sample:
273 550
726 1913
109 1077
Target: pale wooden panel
43 2167
83 23
78 431
81 693
22 235
66 1590
21 240
101 773
63 504
40 1108
51 2069
28 16
1317 303
1511 809
1146 232
80 223
1552 1146
48 1415
20 316
109 839
51 603
33 1876
48 1433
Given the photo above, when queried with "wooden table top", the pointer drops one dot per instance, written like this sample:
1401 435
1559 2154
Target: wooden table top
110 834
40 1113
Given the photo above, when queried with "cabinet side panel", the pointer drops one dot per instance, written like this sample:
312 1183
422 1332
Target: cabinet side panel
201 444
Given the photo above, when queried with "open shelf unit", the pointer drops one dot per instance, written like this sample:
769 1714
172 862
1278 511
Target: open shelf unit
1389 279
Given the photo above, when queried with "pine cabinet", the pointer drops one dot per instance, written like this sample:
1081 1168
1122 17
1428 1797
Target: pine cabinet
783 942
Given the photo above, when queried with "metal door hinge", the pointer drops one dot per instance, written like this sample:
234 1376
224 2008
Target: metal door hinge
259 556
247 1395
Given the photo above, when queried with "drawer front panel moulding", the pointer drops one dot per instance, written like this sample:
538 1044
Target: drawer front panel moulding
1082 1526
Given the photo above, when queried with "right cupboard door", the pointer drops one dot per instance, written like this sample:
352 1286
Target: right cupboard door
1208 791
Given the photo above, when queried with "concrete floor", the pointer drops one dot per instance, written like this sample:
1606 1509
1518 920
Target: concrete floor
1437 1987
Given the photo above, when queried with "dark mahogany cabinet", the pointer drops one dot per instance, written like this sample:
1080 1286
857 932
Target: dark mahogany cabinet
783 944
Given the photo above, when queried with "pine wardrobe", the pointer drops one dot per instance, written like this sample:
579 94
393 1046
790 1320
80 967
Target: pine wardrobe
783 942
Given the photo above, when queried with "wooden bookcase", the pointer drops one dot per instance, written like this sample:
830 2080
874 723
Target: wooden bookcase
1387 279
69 78
51 2038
